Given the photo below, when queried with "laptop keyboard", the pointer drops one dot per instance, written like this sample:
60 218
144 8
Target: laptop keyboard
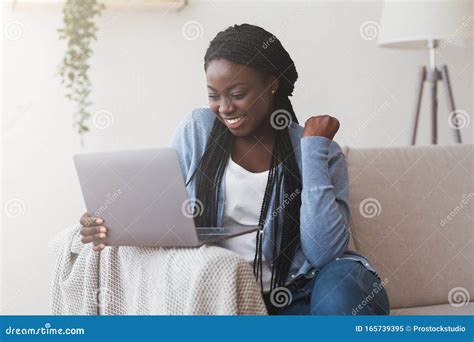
203 232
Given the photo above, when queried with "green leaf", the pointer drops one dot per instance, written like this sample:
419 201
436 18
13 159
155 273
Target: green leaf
79 30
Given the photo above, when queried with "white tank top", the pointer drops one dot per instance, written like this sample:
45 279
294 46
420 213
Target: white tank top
244 192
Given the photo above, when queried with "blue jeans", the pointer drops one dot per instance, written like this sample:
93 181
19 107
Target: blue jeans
341 287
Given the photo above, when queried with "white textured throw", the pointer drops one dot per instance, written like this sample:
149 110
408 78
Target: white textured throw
150 281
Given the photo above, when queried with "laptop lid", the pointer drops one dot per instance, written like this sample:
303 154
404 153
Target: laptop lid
140 194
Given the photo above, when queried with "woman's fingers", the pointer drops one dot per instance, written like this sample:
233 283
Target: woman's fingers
86 220
93 237
86 231
93 231
98 247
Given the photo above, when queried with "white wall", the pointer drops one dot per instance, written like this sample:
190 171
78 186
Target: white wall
147 75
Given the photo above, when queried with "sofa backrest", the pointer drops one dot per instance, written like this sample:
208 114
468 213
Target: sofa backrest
412 216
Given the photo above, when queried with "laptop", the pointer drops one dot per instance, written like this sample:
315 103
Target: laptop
141 196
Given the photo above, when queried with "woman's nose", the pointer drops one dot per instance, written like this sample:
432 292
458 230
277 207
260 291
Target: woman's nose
226 106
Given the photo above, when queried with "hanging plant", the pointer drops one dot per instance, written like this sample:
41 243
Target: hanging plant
80 31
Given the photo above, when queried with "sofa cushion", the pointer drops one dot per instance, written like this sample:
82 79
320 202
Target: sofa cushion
442 309
411 215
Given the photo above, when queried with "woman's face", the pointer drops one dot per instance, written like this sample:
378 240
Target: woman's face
240 92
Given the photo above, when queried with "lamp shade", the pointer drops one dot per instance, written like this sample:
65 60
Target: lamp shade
410 24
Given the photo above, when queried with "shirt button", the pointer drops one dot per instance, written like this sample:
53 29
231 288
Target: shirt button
337 258
292 276
366 264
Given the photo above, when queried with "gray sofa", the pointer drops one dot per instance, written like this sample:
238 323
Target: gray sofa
412 216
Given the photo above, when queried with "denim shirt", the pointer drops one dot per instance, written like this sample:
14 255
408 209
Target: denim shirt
324 212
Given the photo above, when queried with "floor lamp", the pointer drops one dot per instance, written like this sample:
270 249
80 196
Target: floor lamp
428 24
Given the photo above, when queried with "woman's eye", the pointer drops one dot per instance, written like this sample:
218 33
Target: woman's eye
238 96
212 97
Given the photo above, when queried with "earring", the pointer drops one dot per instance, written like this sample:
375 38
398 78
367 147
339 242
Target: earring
273 91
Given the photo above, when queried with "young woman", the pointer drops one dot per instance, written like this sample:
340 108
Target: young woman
247 161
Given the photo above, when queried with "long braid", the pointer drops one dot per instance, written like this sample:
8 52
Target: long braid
209 174
242 44
290 232
257 262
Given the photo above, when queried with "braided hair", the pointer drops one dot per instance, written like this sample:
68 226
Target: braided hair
247 45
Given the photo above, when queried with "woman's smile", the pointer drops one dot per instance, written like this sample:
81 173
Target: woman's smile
235 122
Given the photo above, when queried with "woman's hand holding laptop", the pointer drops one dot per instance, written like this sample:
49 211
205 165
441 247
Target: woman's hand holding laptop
93 230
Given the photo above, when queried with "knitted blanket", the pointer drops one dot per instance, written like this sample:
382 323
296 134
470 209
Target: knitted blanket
208 280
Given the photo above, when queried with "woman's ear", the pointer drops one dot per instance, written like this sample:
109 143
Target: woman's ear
274 83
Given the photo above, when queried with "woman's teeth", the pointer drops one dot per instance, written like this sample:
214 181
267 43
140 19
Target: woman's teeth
233 121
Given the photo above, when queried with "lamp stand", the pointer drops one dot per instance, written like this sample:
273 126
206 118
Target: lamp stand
433 75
